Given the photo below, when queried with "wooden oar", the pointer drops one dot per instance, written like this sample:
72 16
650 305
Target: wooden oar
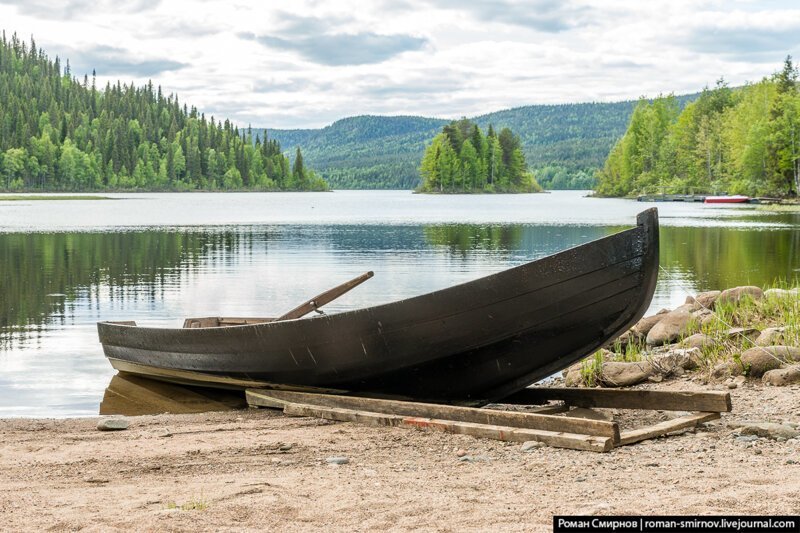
324 298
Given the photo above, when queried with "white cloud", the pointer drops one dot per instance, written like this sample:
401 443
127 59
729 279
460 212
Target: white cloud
313 62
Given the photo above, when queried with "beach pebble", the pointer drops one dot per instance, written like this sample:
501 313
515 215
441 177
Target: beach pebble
337 460
474 459
770 430
530 445
461 453
116 423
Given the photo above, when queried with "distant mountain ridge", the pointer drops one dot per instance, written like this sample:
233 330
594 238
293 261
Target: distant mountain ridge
383 152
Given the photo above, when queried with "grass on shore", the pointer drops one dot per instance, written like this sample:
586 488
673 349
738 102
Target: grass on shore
769 312
34 198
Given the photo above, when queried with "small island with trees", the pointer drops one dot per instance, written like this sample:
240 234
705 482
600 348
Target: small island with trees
461 159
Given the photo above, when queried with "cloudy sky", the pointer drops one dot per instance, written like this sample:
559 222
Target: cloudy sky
307 63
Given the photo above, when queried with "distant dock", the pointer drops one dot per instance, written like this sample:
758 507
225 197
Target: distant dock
671 198
707 198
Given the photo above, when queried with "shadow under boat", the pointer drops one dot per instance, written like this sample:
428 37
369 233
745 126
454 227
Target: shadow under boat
473 343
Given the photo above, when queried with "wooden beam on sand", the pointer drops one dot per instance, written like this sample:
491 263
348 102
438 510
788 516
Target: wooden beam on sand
709 401
505 433
657 430
492 417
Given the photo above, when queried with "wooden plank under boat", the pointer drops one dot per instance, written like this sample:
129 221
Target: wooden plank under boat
472 343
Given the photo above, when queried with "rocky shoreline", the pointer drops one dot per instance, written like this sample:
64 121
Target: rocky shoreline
741 333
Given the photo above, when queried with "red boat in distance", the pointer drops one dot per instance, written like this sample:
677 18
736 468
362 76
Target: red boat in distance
733 199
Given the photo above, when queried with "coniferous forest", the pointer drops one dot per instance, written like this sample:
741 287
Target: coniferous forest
59 133
461 159
739 141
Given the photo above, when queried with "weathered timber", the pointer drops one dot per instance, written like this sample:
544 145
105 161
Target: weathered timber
626 399
223 321
325 298
504 433
668 426
443 412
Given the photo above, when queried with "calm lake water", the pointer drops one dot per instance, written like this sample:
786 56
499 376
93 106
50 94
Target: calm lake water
157 258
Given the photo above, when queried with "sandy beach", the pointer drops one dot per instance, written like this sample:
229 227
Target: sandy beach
258 470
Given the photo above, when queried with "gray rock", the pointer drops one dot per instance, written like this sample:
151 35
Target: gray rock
705 317
675 360
571 368
770 430
574 377
337 460
618 374
746 438
764 358
780 377
670 328
530 445
736 294
698 340
629 337
704 299
643 327
725 370
738 333
285 447
771 337
116 423
780 294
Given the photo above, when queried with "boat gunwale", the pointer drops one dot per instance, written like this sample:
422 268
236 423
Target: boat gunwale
644 218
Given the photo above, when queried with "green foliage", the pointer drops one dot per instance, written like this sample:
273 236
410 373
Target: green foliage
376 152
592 369
744 141
58 134
461 159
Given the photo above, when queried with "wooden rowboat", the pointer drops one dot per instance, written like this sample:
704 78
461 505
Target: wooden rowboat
471 343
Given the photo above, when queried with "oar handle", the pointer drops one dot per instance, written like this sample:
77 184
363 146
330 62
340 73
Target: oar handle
325 298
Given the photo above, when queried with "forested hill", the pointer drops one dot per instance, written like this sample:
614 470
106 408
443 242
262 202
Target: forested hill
60 133
740 141
563 144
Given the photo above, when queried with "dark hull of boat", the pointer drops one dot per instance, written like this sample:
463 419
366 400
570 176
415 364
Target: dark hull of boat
471 343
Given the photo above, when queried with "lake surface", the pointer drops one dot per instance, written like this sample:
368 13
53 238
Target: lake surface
158 258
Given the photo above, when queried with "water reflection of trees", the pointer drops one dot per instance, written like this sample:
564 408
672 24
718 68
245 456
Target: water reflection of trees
719 257
531 241
43 274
